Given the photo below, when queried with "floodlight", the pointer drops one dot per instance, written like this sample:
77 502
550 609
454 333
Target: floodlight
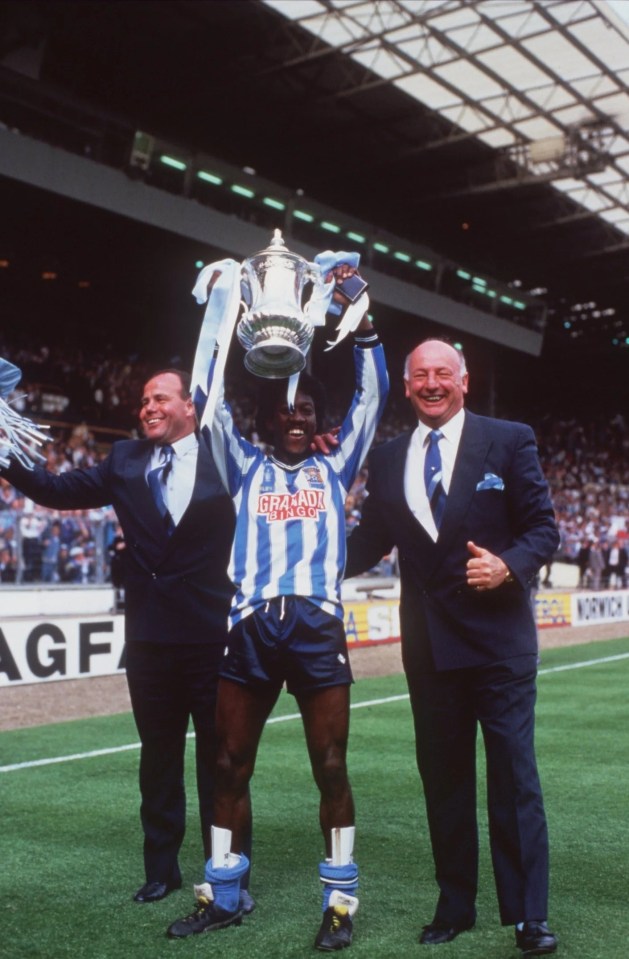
172 162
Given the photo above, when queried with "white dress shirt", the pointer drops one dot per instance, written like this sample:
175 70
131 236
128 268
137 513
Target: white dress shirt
180 480
414 486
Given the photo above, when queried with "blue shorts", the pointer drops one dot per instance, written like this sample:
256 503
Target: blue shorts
288 640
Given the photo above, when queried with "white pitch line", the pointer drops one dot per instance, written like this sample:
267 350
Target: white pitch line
280 719
586 662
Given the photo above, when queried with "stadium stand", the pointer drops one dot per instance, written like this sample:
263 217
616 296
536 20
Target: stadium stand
90 399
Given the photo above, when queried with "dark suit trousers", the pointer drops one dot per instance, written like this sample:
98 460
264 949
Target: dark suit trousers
169 685
448 707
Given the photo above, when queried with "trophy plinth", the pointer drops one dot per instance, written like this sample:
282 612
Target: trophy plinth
274 329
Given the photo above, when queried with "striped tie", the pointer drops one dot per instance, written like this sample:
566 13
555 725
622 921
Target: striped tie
157 482
433 477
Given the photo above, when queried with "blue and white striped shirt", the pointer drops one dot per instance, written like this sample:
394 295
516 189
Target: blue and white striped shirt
290 520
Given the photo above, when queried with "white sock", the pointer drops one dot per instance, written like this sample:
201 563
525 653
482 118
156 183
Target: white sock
343 845
221 847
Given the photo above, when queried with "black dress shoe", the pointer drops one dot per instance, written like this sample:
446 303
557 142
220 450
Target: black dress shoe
535 939
437 932
154 891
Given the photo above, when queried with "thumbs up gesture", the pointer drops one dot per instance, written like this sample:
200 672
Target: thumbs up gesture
484 570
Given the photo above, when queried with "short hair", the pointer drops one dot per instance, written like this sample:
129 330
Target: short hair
274 392
438 339
185 379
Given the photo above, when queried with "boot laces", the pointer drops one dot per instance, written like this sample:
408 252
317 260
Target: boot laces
202 904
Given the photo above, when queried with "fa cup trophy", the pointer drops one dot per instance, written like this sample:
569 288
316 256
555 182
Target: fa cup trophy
275 328
278 313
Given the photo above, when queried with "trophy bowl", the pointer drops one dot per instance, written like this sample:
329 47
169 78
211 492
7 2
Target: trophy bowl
274 330
276 345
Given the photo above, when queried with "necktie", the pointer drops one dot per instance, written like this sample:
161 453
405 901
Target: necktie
157 482
433 477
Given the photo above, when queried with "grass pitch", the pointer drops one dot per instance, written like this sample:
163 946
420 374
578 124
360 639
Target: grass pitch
71 838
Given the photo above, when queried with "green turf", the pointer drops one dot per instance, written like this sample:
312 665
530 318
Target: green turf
71 848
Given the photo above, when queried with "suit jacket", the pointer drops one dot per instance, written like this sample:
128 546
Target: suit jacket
498 498
176 588
622 558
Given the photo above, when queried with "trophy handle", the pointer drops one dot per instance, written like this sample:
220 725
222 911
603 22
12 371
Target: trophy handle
317 306
245 288
314 273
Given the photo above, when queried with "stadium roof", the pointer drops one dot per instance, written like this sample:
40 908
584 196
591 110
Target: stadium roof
493 131
544 83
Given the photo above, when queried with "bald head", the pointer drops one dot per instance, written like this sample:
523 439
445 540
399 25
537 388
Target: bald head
435 381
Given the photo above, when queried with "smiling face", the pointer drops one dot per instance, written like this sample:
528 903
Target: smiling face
166 414
293 430
434 382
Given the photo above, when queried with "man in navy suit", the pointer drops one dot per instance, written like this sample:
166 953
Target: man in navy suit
177 597
464 500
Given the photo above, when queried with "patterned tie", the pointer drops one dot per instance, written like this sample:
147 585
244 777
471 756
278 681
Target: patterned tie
157 482
433 477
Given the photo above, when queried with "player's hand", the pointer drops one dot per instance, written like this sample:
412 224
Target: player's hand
339 274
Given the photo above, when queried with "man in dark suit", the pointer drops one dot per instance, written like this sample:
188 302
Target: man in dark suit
469 511
177 596
615 557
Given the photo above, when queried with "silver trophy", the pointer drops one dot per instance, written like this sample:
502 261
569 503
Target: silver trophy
275 329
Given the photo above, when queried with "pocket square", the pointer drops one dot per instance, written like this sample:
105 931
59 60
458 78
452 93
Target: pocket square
490 481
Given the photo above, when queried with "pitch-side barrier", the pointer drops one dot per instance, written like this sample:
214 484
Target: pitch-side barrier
54 633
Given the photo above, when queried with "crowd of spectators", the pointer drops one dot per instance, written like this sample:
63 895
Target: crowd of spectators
586 462
39 545
73 384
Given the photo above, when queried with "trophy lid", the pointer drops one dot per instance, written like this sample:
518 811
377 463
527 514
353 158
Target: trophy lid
277 243
276 247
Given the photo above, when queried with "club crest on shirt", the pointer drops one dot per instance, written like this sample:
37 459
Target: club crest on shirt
313 477
302 504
